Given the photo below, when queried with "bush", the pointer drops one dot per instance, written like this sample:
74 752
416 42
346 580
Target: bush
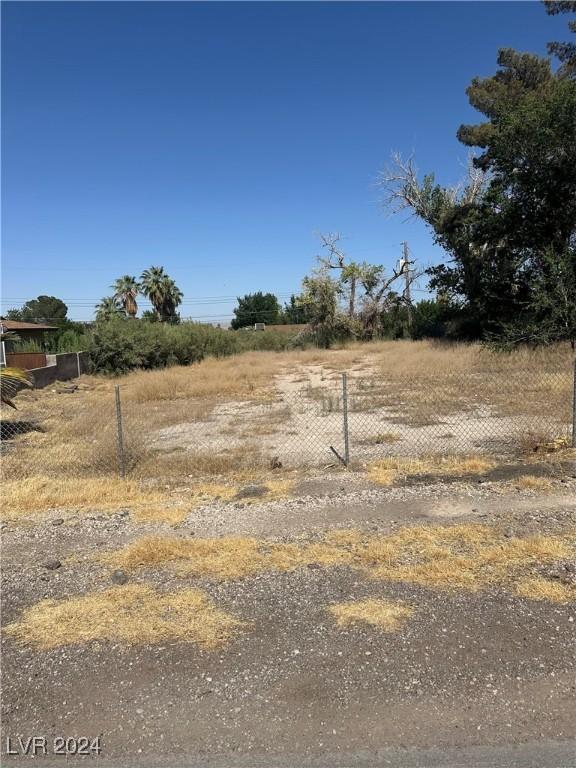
120 345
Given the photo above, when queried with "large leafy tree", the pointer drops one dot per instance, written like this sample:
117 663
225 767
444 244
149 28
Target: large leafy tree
162 292
294 312
256 308
44 309
565 52
510 230
126 289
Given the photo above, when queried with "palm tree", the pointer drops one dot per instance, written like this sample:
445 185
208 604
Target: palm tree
162 291
107 308
125 291
173 299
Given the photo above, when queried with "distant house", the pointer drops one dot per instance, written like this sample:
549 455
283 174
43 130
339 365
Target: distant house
24 332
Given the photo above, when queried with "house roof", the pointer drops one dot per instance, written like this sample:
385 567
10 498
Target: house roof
18 325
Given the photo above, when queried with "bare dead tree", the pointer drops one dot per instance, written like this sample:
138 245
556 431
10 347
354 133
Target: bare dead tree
402 189
336 258
350 272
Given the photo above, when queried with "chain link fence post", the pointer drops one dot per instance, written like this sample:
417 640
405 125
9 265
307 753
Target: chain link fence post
574 407
345 418
120 435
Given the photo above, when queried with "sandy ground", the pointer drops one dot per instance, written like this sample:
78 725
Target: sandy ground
303 418
482 678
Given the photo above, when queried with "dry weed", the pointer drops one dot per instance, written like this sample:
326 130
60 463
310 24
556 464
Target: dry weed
445 557
533 483
384 614
43 493
133 614
387 470
538 588
222 559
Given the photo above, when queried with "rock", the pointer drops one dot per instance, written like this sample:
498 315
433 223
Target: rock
252 491
52 565
58 521
67 390
119 577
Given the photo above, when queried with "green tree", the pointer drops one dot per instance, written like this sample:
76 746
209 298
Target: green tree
294 312
125 290
256 308
107 309
564 52
162 292
48 310
515 217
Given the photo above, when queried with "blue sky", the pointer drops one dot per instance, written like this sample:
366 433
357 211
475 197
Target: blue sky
215 139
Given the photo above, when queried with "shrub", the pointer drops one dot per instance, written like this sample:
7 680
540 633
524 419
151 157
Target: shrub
119 345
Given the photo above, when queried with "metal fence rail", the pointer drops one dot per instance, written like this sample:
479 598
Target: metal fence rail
344 418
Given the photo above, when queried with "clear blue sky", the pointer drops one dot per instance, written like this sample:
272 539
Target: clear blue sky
216 138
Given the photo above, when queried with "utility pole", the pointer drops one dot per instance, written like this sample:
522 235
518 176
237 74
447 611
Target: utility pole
405 264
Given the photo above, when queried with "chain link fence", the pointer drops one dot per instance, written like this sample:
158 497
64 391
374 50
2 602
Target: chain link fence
341 418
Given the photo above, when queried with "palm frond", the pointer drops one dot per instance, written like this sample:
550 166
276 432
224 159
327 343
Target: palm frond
12 380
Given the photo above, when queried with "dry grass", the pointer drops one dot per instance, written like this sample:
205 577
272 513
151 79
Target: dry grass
235 463
421 382
443 557
222 559
538 588
382 438
133 614
146 503
388 470
39 494
384 614
533 483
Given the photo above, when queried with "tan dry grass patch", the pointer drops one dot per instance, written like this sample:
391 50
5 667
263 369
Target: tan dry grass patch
384 614
38 494
387 470
240 463
443 557
533 483
133 614
222 559
539 588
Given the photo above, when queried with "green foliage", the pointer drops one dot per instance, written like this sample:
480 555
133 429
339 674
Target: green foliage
71 340
126 289
118 346
564 52
108 308
511 231
294 312
162 292
28 345
45 309
256 308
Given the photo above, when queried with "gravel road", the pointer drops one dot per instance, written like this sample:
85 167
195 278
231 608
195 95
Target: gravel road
473 679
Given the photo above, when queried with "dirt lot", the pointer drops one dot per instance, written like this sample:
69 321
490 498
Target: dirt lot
240 599
331 621
404 399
